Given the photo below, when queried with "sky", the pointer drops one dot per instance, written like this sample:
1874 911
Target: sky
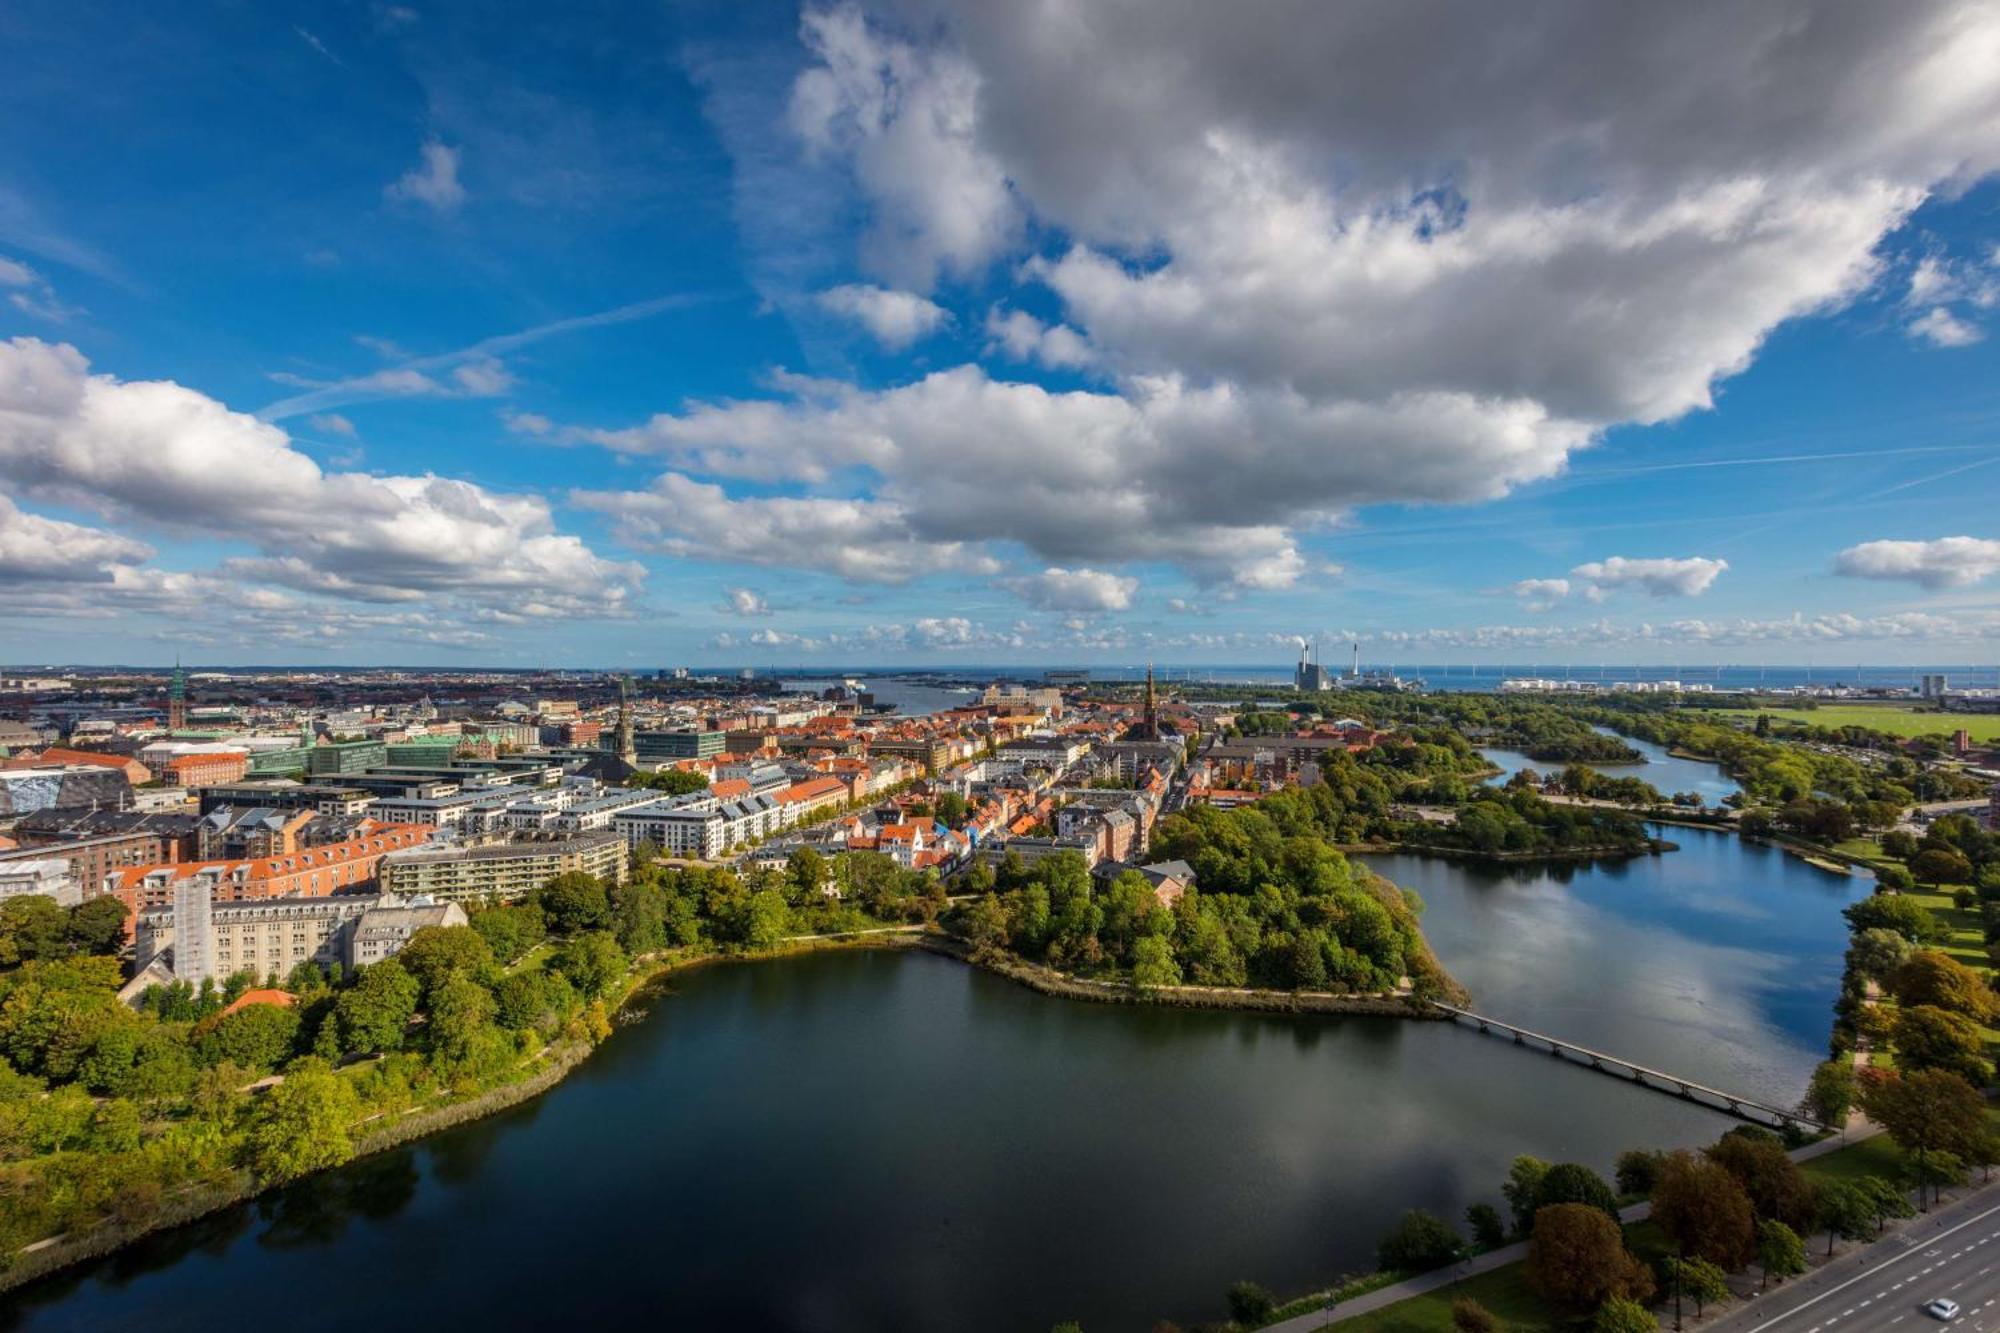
1065 332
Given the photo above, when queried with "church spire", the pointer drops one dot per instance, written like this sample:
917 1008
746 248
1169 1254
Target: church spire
177 698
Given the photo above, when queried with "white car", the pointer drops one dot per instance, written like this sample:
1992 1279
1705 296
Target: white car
1942 1310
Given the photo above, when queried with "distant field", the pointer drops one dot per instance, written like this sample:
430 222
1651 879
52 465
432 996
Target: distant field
1892 718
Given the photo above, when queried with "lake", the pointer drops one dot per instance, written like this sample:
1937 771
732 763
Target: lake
893 1141
1668 773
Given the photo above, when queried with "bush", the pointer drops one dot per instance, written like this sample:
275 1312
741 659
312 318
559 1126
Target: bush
1250 1304
1469 1316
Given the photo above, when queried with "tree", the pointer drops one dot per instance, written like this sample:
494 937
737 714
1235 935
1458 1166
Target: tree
1421 1241
1898 912
1776 1186
806 876
435 954
1469 1316
1927 1037
510 931
574 902
373 1013
1941 865
1933 1171
460 1010
592 963
1619 1315
97 925
1830 1095
1933 977
1926 1111
1488 1231
1636 1170
301 1125
1877 952
1780 1252
1699 1281
1887 1201
1578 1258
257 1036
32 926
764 920
1703 1209
1568 1182
672 781
533 999
1250 1304
1846 1212
1522 1190
1153 963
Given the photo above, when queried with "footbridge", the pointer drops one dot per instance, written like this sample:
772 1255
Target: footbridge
1630 1071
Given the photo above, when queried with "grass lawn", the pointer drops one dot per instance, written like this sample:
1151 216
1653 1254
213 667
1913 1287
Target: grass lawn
1896 719
1865 849
1504 1291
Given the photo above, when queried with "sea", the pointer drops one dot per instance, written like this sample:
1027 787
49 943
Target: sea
927 690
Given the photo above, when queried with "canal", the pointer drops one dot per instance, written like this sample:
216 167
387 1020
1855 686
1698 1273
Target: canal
892 1141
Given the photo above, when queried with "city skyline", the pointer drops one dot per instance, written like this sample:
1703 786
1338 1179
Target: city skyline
923 333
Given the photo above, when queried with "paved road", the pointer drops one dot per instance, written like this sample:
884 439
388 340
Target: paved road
1954 1254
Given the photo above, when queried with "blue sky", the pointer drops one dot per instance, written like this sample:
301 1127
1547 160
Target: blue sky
927 331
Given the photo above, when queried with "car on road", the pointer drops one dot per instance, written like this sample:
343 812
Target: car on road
1942 1310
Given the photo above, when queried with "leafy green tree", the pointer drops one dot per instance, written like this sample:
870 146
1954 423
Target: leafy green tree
1697 1280
1878 951
534 1000
32 926
1577 1258
436 954
574 902
510 931
984 926
592 963
97 925
1250 1304
1927 1037
1926 1111
1522 1191
1780 1252
301 1125
1489 1232
805 875
1830 1095
1153 963
460 1011
764 920
639 916
257 1036
373 1013
1886 1199
1420 1241
1934 1171
1897 912
1846 1212
1636 1169
1941 865
673 781
1897 879
1619 1315
1568 1182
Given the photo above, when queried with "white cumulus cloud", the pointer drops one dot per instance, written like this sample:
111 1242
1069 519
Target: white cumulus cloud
1948 562
897 319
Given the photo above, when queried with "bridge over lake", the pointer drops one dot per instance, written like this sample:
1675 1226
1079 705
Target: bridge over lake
1659 1080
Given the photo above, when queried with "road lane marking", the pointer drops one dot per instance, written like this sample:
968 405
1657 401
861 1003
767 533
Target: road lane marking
1814 1300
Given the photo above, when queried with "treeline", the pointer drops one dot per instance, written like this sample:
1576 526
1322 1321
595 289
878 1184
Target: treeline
1274 909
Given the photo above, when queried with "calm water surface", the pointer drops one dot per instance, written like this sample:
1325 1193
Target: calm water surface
1666 772
893 1141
